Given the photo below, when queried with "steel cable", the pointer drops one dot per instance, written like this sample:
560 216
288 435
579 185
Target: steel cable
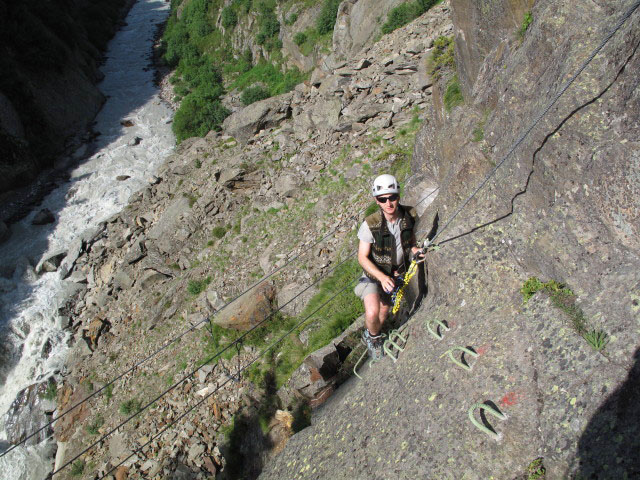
200 402
209 360
564 88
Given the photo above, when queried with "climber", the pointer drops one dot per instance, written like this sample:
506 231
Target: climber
387 245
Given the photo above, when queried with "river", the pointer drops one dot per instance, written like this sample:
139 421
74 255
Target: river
33 345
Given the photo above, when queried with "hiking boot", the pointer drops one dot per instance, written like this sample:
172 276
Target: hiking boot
373 344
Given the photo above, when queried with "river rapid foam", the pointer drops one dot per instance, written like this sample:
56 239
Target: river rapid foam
32 344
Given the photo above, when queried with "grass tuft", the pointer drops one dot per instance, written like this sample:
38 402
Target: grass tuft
524 26
51 392
130 407
196 287
442 57
536 470
563 298
94 427
77 468
598 339
453 95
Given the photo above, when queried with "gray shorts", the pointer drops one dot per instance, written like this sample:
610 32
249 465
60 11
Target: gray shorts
366 286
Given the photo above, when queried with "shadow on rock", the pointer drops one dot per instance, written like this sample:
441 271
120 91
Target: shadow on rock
609 446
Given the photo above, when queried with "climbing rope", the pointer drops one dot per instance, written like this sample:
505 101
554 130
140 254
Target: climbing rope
402 281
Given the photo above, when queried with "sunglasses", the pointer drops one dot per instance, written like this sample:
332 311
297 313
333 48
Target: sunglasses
393 198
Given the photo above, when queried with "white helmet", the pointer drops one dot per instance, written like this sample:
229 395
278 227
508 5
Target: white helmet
385 184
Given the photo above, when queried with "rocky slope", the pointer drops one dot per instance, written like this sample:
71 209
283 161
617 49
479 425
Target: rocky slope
209 225
564 208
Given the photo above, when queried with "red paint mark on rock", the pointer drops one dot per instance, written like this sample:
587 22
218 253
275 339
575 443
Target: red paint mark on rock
511 398
481 350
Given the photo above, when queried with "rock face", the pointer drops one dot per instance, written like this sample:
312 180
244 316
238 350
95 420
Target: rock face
564 208
49 92
358 23
268 113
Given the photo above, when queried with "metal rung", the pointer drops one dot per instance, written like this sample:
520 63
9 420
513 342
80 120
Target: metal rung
355 367
392 343
480 426
466 350
435 333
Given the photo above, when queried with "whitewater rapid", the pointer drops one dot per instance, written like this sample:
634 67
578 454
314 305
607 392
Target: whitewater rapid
28 302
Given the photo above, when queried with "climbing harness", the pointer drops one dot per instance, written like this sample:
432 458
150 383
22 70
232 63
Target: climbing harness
480 426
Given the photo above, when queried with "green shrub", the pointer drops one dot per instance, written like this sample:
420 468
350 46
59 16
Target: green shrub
254 94
268 26
299 38
291 19
77 468
276 81
229 17
404 13
51 392
198 114
108 392
442 56
453 95
327 18
536 470
196 287
93 428
219 231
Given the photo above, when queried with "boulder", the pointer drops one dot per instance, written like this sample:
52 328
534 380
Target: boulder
31 410
357 24
92 332
326 112
149 277
73 252
286 184
249 310
280 430
51 262
163 231
268 113
43 217
289 293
